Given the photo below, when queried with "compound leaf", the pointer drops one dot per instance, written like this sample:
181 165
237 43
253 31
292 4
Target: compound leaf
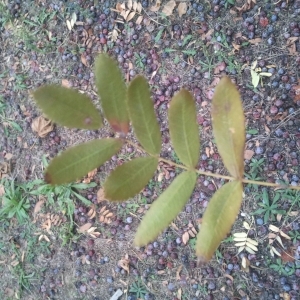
165 208
184 128
142 115
229 126
218 218
67 107
130 178
79 160
112 90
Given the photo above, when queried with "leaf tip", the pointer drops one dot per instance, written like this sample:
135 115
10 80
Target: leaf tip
202 260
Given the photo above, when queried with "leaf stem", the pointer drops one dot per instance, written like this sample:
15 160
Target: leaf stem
171 163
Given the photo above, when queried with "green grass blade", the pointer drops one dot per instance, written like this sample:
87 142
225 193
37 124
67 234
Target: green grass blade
168 205
67 107
142 115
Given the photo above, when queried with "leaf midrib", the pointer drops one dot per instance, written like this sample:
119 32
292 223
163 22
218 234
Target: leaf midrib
87 157
141 170
144 117
221 214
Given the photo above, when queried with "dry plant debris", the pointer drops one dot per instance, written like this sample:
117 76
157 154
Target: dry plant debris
190 233
124 263
276 237
42 126
244 242
257 75
72 21
105 215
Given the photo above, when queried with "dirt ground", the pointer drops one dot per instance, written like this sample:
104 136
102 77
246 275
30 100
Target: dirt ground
43 256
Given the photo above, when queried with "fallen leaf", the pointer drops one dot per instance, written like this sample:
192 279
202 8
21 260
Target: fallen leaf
288 255
38 206
156 7
185 237
139 20
129 4
179 293
65 83
182 8
100 195
69 25
8 156
178 272
84 228
124 264
130 16
2 191
42 126
248 154
285 296
83 59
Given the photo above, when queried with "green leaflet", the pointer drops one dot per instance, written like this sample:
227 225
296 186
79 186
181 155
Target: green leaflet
130 178
184 128
218 218
229 126
79 160
142 115
67 107
112 90
168 205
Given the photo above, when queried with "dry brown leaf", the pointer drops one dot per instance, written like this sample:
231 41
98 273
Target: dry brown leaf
139 7
191 233
83 59
38 206
288 255
91 213
42 126
293 213
284 235
139 20
169 7
119 7
285 296
179 293
182 8
8 156
14 263
156 7
124 14
100 195
129 4
130 16
185 237
160 177
134 5
65 83
178 272
174 226
84 228
2 190
69 25
124 264
255 41
228 276
248 154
